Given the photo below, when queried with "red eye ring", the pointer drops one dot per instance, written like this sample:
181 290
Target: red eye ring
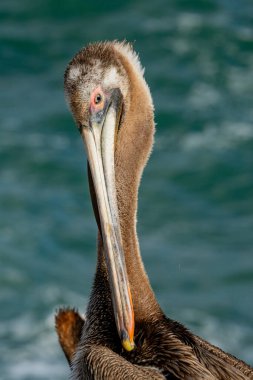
97 99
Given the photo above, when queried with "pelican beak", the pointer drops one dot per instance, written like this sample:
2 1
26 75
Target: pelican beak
99 139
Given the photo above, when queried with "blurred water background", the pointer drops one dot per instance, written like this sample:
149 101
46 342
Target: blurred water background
195 219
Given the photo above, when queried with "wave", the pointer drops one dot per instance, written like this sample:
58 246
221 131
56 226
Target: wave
218 137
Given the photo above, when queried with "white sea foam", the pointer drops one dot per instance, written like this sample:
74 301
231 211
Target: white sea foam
37 369
203 96
189 21
218 137
240 81
36 353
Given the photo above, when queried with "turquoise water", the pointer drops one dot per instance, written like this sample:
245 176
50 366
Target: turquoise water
195 218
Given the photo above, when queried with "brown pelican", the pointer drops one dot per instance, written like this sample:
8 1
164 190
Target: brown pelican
125 334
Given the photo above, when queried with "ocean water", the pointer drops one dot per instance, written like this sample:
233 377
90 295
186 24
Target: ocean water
195 219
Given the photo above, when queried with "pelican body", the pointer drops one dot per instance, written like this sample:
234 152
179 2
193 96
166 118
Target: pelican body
125 334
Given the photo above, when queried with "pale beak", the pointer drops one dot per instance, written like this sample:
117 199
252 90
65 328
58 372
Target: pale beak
99 139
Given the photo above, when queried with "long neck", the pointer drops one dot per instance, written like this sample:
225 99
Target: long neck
134 142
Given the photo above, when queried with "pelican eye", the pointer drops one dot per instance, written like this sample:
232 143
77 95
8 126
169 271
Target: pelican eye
98 98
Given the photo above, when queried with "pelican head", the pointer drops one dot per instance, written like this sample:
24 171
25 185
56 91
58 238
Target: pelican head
113 109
